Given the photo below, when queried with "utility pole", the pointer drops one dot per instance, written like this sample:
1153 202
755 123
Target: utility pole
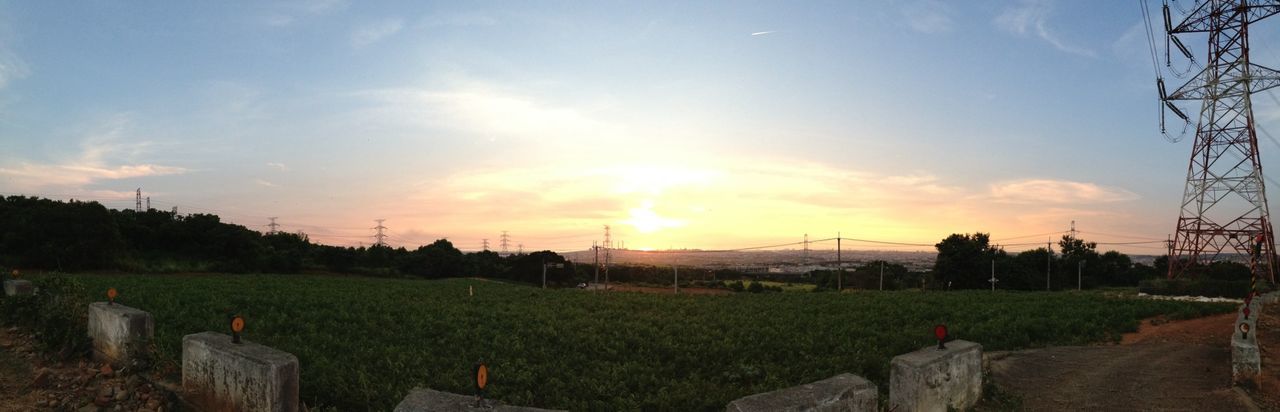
806 248
273 225
993 279
504 241
840 264
676 272
486 245
608 252
148 203
1048 265
520 249
596 248
882 275
1079 271
380 237
138 201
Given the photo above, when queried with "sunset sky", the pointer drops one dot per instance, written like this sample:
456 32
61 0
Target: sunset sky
680 124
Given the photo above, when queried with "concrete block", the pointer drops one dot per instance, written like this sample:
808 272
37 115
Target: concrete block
14 287
218 375
424 400
1246 360
843 393
120 333
936 380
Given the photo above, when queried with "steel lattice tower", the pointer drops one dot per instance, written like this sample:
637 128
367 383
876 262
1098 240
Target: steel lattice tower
1224 204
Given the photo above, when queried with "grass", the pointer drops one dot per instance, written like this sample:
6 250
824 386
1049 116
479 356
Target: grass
365 342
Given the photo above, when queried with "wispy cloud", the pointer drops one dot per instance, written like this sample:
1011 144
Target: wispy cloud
263 182
928 16
374 32
278 166
762 33
1030 17
482 110
11 66
287 13
1049 191
461 19
103 156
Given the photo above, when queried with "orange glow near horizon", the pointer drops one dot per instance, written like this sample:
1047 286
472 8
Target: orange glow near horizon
729 203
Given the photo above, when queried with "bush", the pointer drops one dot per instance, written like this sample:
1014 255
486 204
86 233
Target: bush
57 314
737 286
755 287
1197 287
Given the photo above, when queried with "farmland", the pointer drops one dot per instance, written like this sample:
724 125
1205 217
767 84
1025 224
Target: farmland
364 342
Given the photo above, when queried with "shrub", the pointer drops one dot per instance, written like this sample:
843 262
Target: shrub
1197 287
57 314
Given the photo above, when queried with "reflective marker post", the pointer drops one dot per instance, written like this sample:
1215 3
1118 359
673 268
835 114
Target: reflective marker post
237 326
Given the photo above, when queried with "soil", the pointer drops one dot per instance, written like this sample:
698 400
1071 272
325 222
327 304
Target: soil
34 381
1165 366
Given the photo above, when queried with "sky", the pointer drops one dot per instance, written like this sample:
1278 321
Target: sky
678 124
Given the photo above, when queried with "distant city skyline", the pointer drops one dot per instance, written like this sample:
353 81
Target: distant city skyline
709 125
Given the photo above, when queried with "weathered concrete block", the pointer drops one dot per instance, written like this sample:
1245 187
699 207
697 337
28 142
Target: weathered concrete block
935 380
14 287
120 333
218 375
1246 360
844 393
424 400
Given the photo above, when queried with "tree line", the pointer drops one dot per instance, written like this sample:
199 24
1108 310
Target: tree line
965 261
43 234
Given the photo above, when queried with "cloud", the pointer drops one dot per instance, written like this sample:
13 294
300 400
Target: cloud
265 183
12 67
103 156
374 32
928 16
278 166
1030 17
1048 191
464 19
482 110
285 14
762 33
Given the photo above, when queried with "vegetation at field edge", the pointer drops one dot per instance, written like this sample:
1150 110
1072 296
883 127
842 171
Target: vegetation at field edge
365 342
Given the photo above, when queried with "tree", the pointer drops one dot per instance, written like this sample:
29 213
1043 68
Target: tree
962 259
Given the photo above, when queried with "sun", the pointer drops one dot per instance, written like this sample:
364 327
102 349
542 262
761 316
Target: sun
645 220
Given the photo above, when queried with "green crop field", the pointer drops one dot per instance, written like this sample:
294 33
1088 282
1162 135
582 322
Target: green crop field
364 343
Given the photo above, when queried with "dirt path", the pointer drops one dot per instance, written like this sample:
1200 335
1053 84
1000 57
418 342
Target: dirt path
1176 366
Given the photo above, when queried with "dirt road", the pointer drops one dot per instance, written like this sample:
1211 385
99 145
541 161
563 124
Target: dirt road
1177 366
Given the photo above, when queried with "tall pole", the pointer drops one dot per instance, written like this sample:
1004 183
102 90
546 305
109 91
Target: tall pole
882 275
676 271
1079 270
840 264
1048 265
544 273
596 249
993 275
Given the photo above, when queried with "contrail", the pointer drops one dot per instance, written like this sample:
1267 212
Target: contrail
761 33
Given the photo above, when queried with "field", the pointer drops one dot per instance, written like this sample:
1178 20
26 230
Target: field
363 342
